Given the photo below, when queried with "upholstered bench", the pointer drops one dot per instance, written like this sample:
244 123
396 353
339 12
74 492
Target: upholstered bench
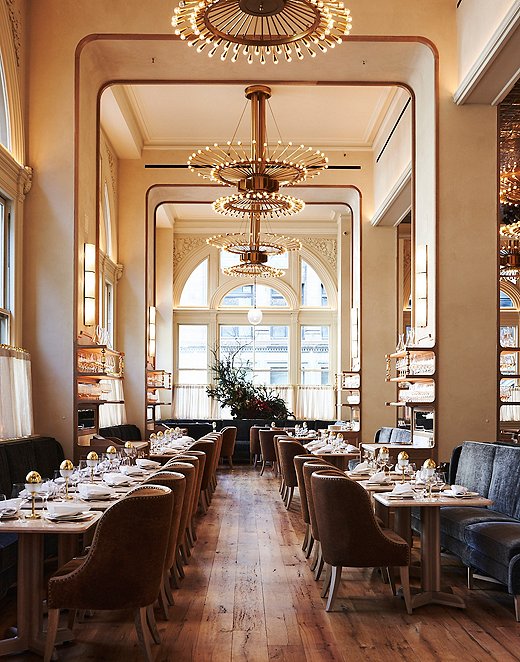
486 539
125 432
17 458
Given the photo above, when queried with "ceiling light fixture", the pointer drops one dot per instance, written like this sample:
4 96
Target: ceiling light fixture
258 172
262 28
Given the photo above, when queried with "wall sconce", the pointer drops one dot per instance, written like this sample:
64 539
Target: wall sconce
151 331
354 338
89 285
421 285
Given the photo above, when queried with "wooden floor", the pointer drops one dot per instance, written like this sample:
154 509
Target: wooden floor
249 595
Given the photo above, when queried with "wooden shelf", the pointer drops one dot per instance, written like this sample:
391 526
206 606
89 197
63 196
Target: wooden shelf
412 378
415 405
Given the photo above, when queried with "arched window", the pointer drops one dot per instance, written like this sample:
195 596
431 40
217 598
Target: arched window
195 291
5 128
506 301
266 297
314 294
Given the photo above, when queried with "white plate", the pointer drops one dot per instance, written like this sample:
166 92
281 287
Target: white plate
466 495
80 517
400 496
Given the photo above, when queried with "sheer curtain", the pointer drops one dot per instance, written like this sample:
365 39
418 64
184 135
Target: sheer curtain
112 412
16 415
191 401
314 402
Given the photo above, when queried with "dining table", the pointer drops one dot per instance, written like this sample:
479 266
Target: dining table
430 509
28 633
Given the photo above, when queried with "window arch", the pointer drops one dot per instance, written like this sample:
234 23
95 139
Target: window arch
313 292
5 122
195 291
244 295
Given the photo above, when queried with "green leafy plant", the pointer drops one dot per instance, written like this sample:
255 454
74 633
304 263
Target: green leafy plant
234 389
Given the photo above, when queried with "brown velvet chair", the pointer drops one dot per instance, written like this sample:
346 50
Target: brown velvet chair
254 445
308 469
177 484
308 540
189 472
281 487
209 448
202 462
117 573
351 537
288 449
266 436
229 437
196 462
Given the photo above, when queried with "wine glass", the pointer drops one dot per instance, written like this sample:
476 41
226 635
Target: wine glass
440 481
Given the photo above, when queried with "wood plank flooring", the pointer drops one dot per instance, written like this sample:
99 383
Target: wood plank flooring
249 595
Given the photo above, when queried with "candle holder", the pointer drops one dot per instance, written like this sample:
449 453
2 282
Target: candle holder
33 485
92 460
429 467
129 447
66 469
403 461
383 458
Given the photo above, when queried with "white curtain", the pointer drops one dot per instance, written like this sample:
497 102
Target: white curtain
16 414
112 412
314 402
191 401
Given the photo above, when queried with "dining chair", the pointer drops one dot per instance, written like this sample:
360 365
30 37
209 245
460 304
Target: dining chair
288 449
308 540
229 436
117 573
188 471
177 484
352 537
196 462
208 447
308 469
266 437
276 439
202 461
254 445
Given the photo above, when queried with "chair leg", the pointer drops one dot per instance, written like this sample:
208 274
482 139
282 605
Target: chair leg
319 566
230 460
263 468
189 537
193 531
52 629
178 565
306 538
470 578
335 579
314 561
202 503
168 589
71 619
326 581
310 545
163 604
174 576
183 554
141 626
290 493
391 579
404 571
152 624
186 546
516 599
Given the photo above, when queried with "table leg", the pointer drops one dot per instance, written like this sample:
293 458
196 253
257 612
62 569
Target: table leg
431 563
402 524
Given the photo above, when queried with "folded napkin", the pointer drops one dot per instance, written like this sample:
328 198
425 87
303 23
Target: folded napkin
458 490
313 444
361 468
116 479
148 464
379 477
352 449
132 471
327 448
10 507
93 491
58 509
402 489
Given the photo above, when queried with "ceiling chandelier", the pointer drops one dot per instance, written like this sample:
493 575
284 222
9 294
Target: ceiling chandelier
260 171
510 251
254 248
279 29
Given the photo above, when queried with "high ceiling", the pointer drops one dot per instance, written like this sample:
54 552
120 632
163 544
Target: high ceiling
188 116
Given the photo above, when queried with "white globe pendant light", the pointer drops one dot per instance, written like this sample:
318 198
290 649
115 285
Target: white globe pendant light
254 316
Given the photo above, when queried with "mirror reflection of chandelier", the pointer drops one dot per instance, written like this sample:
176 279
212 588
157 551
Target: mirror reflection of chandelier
260 171
254 249
262 29
510 252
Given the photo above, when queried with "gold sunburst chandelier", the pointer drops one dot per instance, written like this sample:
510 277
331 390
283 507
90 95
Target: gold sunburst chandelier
510 251
262 29
259 171
254 248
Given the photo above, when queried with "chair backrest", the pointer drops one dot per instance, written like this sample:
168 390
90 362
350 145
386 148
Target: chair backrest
188 471
308 469
177 484
288 449
195 461
202 463
266 437
299 461
349 532
254 440
209 448
118 573
229 436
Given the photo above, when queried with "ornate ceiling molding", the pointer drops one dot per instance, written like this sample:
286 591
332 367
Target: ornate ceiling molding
325 248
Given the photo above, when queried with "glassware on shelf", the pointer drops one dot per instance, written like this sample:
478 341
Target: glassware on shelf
410 337
418 392
400 347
